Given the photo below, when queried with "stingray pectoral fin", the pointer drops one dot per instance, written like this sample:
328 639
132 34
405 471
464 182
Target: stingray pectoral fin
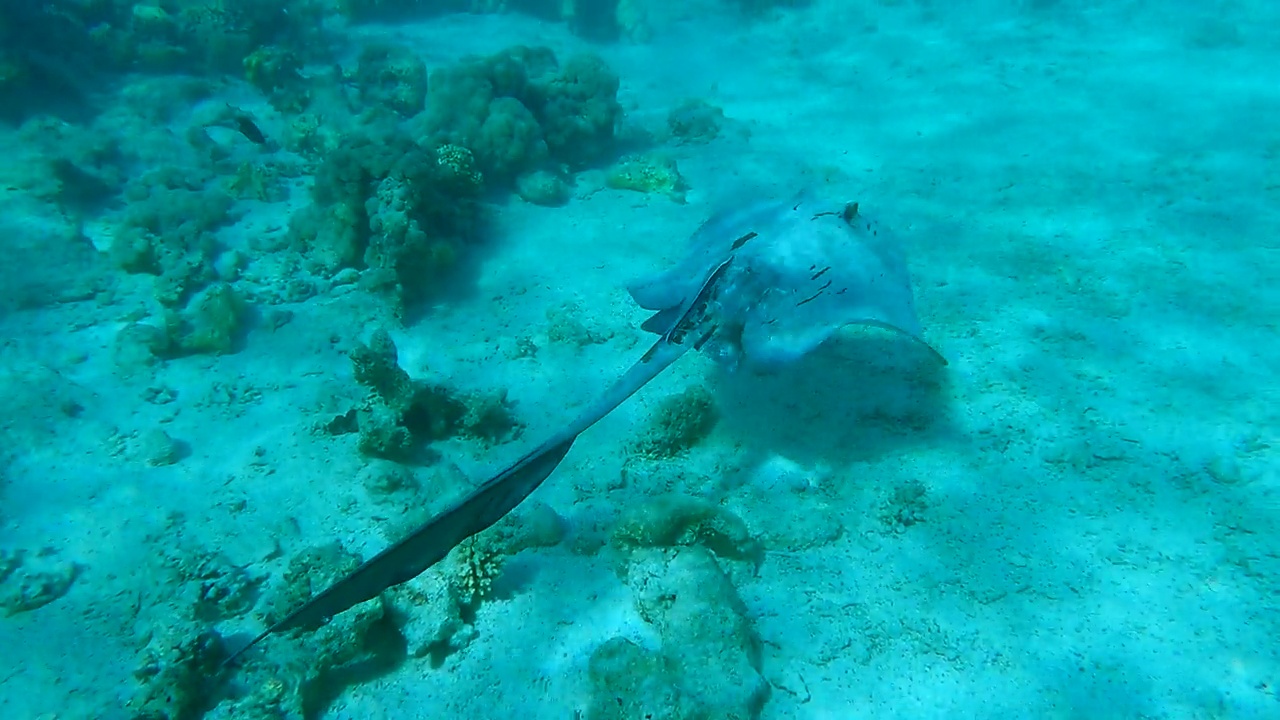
661 321
431 542
907 333
766 346
660 291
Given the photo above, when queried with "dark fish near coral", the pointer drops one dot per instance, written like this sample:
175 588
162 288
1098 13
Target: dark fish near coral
243 122
764 283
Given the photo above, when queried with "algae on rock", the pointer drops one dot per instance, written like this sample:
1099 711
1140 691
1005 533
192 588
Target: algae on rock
649 174
707 664
674 520
680 422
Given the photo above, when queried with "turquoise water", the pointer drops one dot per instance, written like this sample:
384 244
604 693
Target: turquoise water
283 280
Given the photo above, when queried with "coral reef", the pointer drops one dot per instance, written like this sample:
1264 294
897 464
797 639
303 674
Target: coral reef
476 563
256 181
578 110
207 36
402 414
519 108
262 39
393 77
308 135
377 367
166 192
394 209
167 230
277 73
396 192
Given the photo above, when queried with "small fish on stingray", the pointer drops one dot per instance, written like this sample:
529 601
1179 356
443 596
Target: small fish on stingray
762 285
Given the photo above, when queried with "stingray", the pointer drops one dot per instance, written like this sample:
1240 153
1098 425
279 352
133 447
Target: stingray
761 285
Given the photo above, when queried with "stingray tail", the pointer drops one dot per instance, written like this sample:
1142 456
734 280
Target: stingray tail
427 545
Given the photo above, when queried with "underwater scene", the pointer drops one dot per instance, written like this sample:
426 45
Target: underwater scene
639 359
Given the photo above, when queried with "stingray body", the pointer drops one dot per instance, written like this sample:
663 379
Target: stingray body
799 270
762 284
